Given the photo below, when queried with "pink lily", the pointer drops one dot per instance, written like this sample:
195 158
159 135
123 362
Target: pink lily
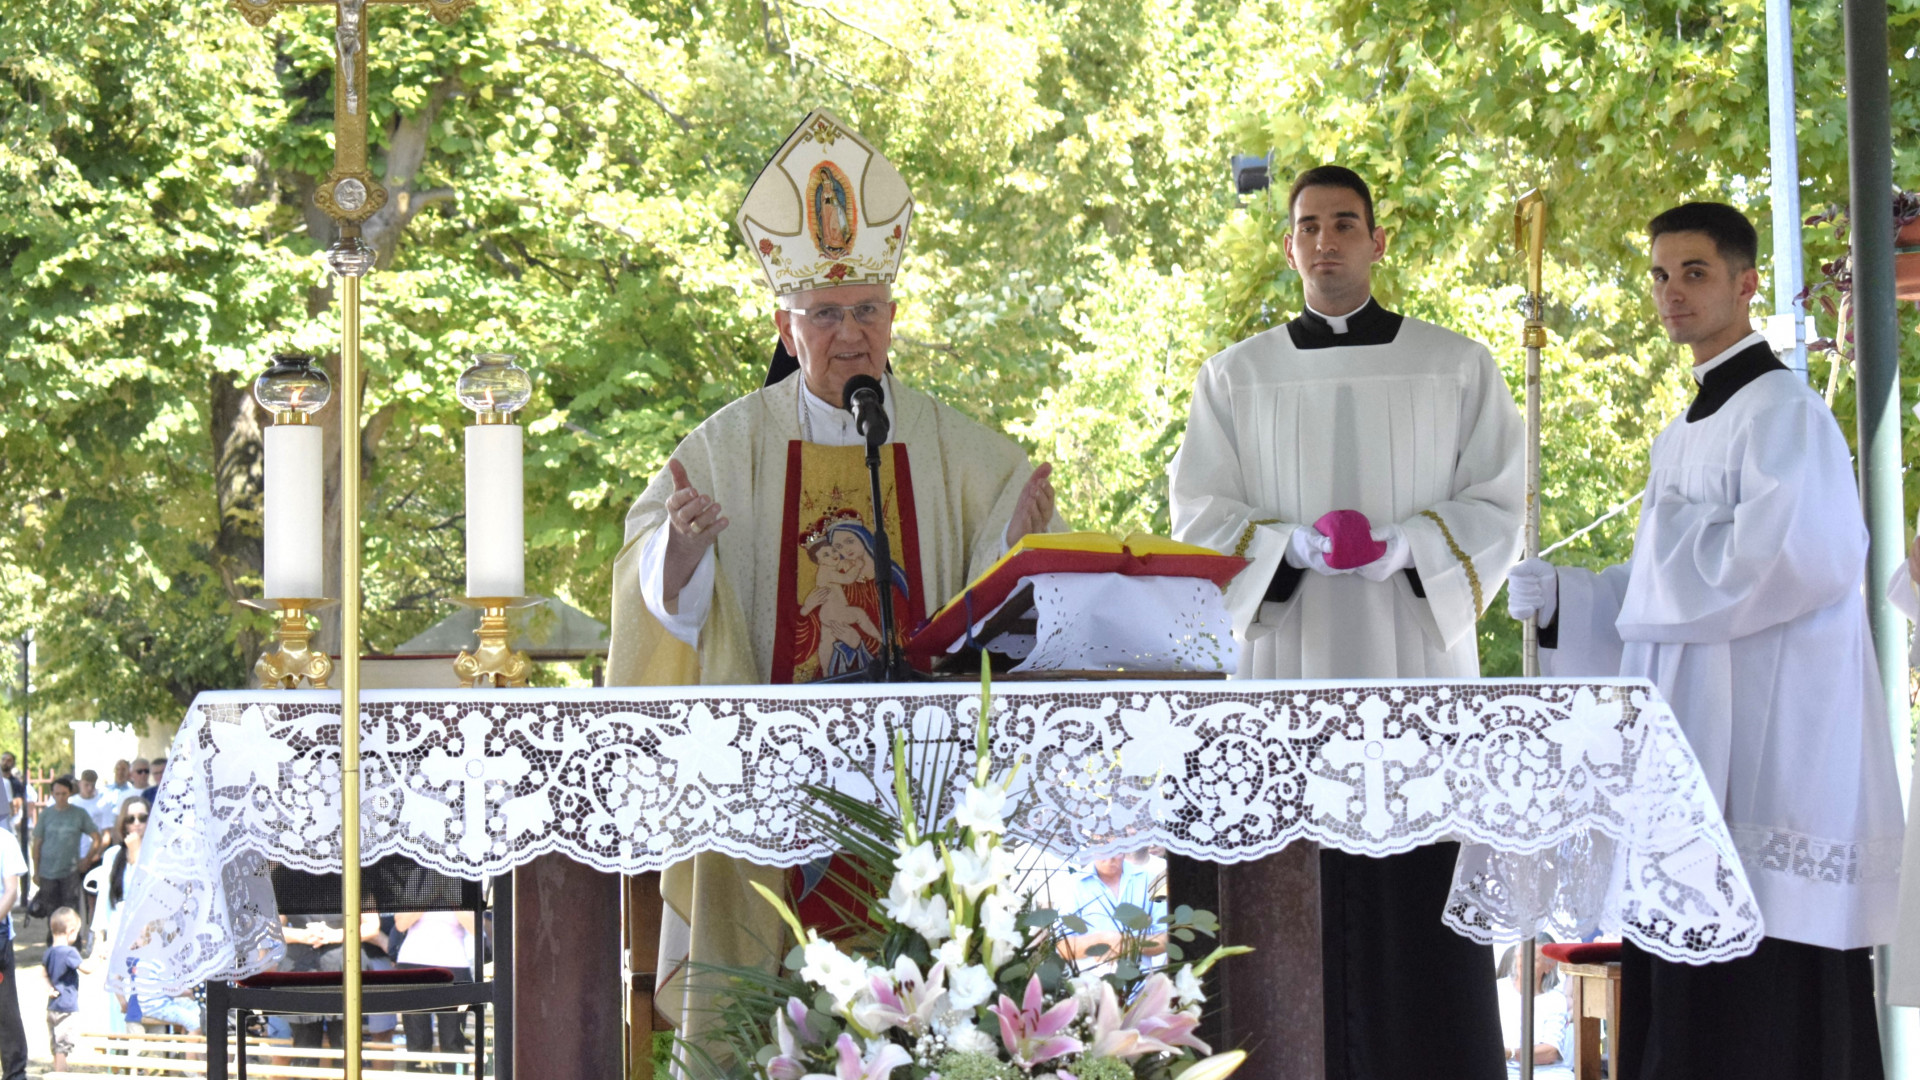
1033 1036
1152 1015
885 1058
787 1064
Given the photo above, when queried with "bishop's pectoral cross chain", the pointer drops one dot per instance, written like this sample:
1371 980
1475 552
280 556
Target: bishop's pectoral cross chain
349 194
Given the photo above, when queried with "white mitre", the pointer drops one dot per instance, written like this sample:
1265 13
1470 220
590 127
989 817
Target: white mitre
827 210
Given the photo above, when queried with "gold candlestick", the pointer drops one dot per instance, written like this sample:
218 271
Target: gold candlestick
291 660
495 663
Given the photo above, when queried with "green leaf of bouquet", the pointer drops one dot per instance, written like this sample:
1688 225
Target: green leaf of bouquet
1175 953
1052 972
1218 955
1127 970
1132 917
1182 933
1099 950
1074 924
1039 918
796 958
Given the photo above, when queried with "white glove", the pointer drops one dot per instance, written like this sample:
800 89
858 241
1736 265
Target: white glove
1307 550
1398 556
1533 589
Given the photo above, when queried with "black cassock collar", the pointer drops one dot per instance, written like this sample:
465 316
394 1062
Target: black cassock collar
1733 374
1371 325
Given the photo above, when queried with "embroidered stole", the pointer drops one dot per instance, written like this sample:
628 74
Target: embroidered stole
828 618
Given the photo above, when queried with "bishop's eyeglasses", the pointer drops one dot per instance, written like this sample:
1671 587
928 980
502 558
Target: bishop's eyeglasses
830 316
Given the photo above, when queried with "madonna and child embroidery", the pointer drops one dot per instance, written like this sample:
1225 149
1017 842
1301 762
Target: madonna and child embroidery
828 622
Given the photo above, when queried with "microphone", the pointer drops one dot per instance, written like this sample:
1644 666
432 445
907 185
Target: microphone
863 398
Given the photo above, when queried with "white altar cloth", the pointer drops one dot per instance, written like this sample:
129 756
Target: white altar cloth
1580 803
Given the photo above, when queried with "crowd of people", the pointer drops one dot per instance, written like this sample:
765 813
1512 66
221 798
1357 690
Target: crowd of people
64 866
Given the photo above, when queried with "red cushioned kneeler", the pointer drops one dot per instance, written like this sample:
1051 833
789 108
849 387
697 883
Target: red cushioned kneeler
1597 952
294 980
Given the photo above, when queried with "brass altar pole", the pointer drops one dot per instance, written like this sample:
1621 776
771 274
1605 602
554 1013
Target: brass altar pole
350 259
1530 234
349 194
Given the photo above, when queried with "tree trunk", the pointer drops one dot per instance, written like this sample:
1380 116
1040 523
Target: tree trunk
238 482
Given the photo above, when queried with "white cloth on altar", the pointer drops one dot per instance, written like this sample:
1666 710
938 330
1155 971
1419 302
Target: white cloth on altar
1279 436
1119 622
473 783
1743 601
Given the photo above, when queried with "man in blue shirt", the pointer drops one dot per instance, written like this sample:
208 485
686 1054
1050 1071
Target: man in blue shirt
1097 893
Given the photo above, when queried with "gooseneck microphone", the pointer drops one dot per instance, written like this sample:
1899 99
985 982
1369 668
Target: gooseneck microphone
863 397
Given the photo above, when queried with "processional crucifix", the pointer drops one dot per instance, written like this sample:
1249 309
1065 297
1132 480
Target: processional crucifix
350 195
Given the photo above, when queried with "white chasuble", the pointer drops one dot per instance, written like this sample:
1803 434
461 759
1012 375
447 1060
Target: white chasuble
1743 601
965 481
1417 430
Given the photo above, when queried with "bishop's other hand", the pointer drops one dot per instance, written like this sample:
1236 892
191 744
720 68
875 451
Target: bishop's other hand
1533 589
1034 512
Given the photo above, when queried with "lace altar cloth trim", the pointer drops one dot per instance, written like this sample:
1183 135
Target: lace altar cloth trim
1581 804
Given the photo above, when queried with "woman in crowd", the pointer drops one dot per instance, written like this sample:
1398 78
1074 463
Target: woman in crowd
108 884
437 939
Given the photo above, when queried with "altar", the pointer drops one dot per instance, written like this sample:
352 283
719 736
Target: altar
1580 806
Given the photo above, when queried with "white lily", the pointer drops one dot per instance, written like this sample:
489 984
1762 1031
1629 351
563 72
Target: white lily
1186 986
969 987
982 809
918 866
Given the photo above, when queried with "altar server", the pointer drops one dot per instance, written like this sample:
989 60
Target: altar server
1353 407
1743 602
750 557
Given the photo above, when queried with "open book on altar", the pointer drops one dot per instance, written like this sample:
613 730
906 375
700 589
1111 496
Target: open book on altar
1093 601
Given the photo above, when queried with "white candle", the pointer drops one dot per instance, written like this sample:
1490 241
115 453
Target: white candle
496 523
292 512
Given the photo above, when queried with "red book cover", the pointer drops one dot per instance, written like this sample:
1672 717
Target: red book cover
1139 555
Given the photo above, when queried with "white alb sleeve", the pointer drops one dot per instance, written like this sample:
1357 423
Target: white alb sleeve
696 597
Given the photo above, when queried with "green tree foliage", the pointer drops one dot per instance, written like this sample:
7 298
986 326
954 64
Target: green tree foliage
565 174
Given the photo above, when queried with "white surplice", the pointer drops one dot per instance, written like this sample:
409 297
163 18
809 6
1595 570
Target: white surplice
1743 602
1421 432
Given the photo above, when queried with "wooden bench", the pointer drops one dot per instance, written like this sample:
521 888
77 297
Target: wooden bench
1592 978
137 1054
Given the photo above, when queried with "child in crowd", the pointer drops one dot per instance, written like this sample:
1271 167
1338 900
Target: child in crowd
63 984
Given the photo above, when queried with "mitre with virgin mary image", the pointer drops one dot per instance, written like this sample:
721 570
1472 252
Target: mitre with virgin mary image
827 210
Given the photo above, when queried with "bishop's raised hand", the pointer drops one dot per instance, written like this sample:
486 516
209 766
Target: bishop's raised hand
694 522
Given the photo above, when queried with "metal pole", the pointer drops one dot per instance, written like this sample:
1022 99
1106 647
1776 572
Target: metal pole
1530 233
350 259
1785 170
1877 366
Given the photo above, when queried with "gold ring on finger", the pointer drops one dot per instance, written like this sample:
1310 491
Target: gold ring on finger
694 528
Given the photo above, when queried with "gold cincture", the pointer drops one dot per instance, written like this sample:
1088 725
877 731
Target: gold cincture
495 663
292 660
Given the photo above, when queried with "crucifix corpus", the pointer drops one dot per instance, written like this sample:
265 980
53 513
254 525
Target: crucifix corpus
350 195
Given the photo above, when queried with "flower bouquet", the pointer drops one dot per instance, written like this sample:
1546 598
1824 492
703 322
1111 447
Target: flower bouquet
948 968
